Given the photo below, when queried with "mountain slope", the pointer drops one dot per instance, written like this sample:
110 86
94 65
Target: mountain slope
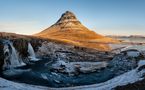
70 30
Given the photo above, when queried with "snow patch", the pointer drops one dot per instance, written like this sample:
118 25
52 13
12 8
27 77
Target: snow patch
133 53
141 63
9 85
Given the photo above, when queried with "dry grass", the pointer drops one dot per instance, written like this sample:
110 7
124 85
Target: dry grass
80 37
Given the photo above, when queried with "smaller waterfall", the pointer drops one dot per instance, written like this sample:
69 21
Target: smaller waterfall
11 57
31 52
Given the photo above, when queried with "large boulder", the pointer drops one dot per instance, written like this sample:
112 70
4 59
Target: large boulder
125 61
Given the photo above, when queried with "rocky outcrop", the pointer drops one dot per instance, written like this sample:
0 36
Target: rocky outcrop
68 21
125 61
20 42
75 68
72 53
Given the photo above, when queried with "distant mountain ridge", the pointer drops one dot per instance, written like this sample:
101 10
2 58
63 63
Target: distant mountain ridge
70 30
123 36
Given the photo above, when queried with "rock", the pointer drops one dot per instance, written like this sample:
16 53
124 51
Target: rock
87 67
141 68
133 53
74 68
138 85
125 61
67 17
69 53
1 55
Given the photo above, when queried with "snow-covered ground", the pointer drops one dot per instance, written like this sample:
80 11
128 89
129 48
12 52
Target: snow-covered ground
9 85
124 79
133 53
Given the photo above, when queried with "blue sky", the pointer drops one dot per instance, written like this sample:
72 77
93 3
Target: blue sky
117 17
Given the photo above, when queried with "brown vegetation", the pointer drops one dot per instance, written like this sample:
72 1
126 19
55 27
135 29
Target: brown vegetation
69 30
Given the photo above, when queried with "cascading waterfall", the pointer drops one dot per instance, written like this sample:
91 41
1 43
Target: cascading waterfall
11 57
31 52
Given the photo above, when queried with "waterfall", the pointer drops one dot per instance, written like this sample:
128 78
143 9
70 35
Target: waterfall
11 57
31 52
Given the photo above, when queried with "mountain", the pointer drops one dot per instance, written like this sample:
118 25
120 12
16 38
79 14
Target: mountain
123 36
69 29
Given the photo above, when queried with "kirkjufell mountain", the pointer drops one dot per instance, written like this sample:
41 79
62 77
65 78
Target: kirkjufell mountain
70 30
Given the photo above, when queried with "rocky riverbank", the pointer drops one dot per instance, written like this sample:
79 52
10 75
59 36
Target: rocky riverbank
51 48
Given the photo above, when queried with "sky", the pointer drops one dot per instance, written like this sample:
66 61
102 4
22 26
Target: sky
107 17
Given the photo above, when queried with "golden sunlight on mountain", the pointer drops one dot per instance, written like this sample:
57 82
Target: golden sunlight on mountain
70 30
